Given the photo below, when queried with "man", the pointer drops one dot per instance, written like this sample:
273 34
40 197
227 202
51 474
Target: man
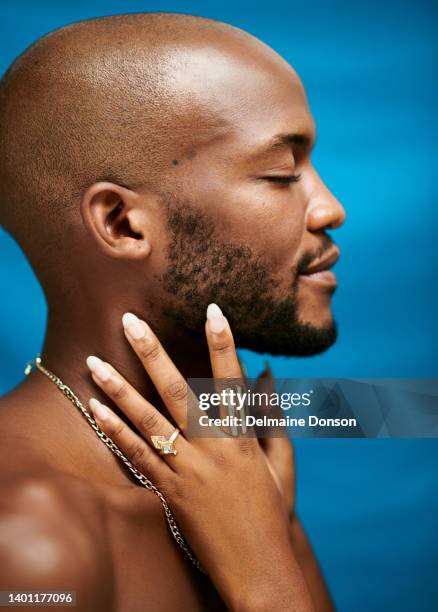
151 163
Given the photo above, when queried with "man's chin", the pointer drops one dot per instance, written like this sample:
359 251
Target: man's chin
301 340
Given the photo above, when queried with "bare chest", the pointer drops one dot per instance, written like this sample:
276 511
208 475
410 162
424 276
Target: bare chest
150 571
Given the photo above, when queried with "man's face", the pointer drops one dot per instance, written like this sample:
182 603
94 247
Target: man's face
247 222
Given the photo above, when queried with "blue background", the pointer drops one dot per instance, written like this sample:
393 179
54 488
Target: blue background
370 506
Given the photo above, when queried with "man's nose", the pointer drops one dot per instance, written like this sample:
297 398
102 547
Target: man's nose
324 211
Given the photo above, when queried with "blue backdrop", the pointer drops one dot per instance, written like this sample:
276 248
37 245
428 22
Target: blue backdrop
370 506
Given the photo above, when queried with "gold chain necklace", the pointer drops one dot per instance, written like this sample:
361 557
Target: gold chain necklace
174 529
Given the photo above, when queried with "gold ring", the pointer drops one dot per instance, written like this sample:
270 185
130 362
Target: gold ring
165 447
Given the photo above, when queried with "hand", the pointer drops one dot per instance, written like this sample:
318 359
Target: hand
220 489
279 452
279 455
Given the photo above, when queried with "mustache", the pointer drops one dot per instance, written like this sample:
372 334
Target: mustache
309 256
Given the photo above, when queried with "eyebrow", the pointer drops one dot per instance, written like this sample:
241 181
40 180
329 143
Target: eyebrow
282 141
286 139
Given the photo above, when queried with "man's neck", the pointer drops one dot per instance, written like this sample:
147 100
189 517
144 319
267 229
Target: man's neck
55 432
69 342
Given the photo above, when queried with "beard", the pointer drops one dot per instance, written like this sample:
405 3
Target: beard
204 268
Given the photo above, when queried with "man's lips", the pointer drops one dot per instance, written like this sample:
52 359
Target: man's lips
319 274
324 263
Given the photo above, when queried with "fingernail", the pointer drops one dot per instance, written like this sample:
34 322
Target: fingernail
99 369
133 326
216 320
100 411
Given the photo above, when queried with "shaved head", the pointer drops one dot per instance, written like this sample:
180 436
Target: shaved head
97 100
160 152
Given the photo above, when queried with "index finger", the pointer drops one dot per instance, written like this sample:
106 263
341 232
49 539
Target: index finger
226 368
223 356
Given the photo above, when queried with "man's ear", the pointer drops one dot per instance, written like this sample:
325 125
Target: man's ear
114 217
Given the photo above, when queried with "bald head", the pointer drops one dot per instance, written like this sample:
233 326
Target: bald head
115 98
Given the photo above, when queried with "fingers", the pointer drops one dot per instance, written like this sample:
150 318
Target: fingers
147 419
223 356
264 386
139 453
277 447
170 384
225 367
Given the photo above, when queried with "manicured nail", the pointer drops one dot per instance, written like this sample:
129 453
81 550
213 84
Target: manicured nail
99 369
100 411
133 326
216 320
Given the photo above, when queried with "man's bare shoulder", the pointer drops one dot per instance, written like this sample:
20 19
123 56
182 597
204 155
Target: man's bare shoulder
52 535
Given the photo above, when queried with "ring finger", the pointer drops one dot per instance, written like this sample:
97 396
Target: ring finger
135 449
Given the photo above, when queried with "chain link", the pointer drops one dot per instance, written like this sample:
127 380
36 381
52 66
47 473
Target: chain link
173 526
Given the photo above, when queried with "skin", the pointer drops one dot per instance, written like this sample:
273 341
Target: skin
211 471
116 257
